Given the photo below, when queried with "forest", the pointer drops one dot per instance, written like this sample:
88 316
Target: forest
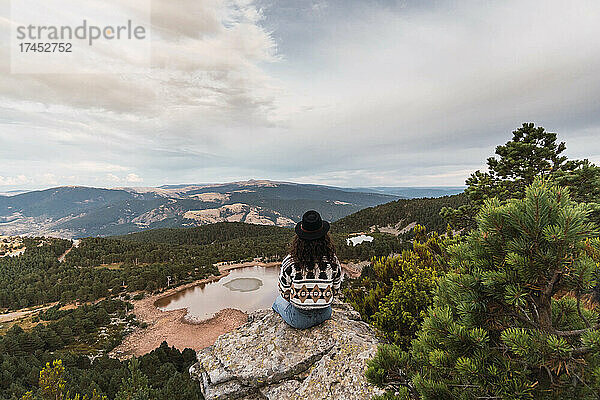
100 267
425 211
74 335
207 234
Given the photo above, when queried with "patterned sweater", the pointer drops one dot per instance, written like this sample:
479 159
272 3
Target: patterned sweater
309 288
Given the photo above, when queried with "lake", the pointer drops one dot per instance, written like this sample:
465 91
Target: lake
247 289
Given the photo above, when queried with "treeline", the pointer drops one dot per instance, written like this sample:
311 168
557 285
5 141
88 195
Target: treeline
424 211
36 277
256 240
94 252
206 234
28 279
23 354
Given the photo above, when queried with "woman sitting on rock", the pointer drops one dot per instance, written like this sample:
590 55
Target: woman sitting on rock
310 275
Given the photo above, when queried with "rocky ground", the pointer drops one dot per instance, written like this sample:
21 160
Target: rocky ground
267 359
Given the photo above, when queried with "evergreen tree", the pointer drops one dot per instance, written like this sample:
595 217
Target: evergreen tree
583 180
52 382
509 323
52 385
136 387
533 152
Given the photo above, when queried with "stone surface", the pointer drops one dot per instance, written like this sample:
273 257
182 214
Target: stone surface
267 359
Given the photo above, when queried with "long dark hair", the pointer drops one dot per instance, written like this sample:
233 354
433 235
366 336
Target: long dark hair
307 253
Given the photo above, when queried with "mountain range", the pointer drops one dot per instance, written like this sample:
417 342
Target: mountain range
414 192
78 211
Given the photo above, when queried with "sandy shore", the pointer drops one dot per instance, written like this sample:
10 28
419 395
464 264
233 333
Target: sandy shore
175 329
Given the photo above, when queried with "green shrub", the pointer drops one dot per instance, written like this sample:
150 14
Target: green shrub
394 292
138 296
508 322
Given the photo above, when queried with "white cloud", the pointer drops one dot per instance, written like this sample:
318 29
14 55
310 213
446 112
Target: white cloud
14 180
133 178
49 179
112 178
205 55
127 179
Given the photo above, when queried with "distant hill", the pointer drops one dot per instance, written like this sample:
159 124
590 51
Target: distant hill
207 234
398 216
414 192
76 211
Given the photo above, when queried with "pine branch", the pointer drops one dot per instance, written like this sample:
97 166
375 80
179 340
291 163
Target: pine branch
587 386
545 367
576 332
525 317
587 323
511 312
581 351
533 307
550 286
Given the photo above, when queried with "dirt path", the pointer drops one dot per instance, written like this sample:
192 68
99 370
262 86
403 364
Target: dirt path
75 244
11 316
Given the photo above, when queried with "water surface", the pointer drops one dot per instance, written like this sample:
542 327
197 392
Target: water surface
247 289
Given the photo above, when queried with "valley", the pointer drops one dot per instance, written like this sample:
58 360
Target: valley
54 280
300 200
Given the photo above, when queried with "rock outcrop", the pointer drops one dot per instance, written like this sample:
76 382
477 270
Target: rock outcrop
267 359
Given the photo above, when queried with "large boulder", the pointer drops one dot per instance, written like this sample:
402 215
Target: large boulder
267 359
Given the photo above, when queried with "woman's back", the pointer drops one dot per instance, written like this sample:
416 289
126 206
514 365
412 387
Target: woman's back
310 275
312 286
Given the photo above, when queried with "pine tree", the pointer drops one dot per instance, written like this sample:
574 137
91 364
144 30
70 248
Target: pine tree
52 382
531 153
509 322
52 385
583 180
136 387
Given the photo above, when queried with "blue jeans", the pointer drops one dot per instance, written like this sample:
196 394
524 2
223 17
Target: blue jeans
297 318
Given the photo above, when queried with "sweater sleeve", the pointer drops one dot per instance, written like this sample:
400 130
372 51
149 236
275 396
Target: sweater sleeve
337 275
285 278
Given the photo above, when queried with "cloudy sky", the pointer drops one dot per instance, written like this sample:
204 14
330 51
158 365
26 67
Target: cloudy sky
341 92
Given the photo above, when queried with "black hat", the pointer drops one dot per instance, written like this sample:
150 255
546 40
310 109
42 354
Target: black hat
312 227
